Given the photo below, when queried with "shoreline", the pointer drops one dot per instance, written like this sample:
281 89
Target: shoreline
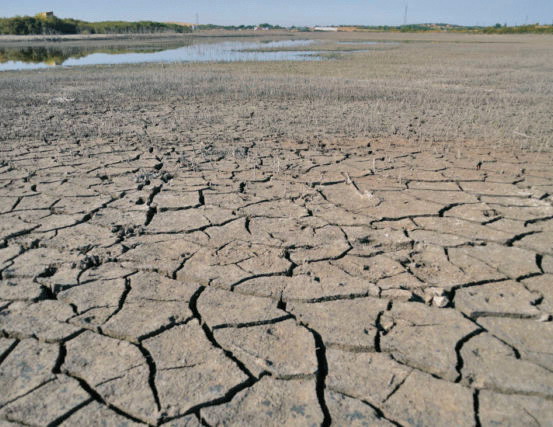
69 38
38 39
72 39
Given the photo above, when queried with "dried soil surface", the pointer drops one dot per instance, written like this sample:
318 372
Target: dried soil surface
245 244
353 283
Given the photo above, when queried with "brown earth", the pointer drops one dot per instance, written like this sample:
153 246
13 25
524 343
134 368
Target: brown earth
169 275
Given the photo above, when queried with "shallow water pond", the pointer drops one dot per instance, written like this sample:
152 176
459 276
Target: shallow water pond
34 57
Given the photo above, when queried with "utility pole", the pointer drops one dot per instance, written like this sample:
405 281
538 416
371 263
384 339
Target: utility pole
405 14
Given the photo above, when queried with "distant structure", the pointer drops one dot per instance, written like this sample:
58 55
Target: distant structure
405 14
191 25
183 24
325 29
45 15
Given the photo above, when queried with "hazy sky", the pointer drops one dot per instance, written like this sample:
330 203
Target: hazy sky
294 12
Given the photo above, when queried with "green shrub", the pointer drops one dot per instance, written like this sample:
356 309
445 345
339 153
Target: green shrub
25 25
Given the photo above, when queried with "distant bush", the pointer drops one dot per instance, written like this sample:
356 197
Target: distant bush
23 25
225 27
496 29
26 25
264 26
416 28
519 29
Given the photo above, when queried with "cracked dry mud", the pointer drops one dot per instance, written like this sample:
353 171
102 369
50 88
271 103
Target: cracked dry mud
267 283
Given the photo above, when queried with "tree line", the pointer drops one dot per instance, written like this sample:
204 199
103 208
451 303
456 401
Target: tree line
495 29
39 24
27 25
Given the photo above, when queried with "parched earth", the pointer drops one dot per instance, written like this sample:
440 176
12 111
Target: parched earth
271 283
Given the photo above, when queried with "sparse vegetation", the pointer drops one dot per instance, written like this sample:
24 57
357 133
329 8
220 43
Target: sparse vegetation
438 88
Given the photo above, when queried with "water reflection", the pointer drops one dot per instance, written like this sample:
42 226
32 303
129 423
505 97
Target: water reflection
57 56
32 57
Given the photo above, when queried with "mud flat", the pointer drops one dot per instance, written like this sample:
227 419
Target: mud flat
334 243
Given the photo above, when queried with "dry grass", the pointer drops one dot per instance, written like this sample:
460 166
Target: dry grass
494 90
